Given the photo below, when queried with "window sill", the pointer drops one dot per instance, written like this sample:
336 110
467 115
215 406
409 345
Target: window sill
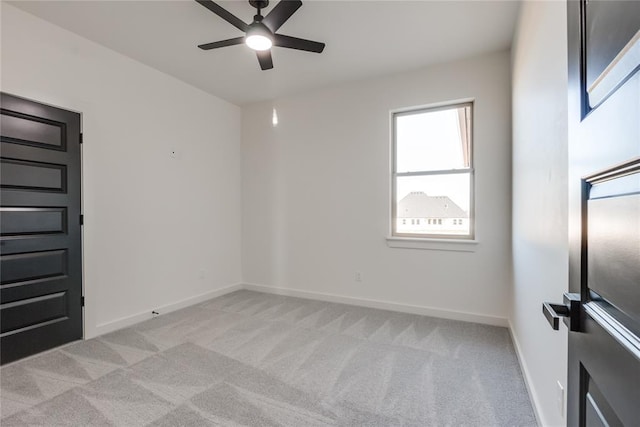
433 244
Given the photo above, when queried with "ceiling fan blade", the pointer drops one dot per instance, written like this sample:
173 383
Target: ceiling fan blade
224 14
264 58
296 43
280 13
221 43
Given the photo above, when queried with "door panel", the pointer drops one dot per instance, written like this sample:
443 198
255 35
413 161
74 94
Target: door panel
604 212
28 312
33 265
23 221
609 27
612 218
40 257
36 176
598 412
28 130
606 371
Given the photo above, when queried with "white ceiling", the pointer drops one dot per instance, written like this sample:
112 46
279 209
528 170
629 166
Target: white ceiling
363 39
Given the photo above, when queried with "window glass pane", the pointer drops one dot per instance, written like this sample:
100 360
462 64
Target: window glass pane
433 140
434 204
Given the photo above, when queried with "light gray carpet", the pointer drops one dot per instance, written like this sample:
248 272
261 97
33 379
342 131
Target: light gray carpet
255 359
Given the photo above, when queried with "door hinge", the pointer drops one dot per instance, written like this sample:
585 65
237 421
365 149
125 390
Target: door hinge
81 219
81 138
82 301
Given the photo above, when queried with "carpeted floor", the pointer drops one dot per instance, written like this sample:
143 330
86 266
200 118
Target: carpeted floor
255 359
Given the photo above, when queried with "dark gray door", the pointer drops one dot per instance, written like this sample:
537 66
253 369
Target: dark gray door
604 209
41 276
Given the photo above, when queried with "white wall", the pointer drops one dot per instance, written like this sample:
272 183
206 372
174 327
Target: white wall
152 223
540 239
316 193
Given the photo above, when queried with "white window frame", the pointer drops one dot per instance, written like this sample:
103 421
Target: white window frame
412 240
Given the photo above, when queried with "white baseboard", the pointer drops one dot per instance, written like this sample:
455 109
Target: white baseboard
527 377
124 322
404 308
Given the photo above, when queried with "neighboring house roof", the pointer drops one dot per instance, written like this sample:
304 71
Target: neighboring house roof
418 205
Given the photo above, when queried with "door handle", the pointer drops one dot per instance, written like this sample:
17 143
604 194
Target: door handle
553 313
569 311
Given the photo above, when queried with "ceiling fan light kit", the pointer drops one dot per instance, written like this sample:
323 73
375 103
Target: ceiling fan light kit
261 35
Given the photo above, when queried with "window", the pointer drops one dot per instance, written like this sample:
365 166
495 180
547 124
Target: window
433 171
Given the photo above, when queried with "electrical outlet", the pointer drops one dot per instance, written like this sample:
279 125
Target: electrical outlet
560 397
202 274
358 276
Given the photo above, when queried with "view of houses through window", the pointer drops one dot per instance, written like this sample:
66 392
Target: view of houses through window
432 176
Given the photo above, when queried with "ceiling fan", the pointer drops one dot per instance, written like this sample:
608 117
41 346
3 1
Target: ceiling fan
261 35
